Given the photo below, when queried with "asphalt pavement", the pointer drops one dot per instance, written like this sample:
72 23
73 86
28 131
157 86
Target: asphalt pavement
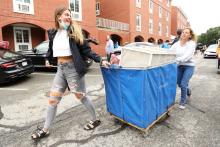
196 126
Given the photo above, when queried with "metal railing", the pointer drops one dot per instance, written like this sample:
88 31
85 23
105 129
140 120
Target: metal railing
111 24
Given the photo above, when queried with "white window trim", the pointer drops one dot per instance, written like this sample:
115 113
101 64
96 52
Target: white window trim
79 14
138 3
15 41
160 29
151 29
97 10
151 8
138 27
167 31
168 3
160 12
16 5
167 16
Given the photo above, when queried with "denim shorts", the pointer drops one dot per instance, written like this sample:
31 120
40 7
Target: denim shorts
67 77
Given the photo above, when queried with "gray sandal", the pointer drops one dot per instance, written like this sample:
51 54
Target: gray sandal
92 125
39 133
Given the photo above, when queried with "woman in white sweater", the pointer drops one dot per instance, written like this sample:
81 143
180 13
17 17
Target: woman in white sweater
185 49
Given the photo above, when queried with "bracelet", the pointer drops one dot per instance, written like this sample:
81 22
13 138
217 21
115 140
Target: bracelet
101 61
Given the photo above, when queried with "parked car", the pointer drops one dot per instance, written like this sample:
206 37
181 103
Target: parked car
38 56
13 65
211 51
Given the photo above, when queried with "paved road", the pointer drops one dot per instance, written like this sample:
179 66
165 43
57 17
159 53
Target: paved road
24 103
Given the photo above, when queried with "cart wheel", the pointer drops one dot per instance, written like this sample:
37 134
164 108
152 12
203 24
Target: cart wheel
118 122
165 116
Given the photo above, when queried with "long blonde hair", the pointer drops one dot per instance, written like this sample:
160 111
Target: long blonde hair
74 30
193 36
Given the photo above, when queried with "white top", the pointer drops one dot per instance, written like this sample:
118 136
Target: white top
185 53
61 45
109 48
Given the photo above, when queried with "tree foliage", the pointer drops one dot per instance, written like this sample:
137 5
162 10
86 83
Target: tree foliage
210 37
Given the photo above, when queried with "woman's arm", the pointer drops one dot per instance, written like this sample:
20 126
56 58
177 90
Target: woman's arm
86 51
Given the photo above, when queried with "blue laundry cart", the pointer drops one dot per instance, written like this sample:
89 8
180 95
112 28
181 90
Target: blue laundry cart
140 97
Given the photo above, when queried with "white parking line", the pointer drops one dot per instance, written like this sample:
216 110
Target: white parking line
14 89
53 74
43 74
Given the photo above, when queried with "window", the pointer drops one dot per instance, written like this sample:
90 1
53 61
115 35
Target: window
167 31
160 12
151 26
76 9
22 39
97 8
138 22
167 16
23 6
138 3
151 6
160 29
168 3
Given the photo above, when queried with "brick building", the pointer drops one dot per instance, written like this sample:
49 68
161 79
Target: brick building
141 20
24 23
179 20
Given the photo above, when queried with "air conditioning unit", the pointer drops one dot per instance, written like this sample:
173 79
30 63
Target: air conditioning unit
76 16
138 28
23 47
97 12
23 8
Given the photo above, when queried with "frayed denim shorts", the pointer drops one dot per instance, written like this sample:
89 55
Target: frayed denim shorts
67 77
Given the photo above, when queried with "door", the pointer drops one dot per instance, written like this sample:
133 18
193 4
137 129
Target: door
22 39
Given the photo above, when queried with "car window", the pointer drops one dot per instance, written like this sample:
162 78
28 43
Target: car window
42 47
4 54
212 47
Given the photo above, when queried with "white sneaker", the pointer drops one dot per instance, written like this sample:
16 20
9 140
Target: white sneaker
182 107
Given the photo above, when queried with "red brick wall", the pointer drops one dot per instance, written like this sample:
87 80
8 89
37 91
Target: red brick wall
37 36
43 18
8 35
89 18
115 9
178 17
119 10
174 21
43 13
102 38
126 10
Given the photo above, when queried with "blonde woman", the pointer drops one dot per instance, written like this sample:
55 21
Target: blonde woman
67 44
185 49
